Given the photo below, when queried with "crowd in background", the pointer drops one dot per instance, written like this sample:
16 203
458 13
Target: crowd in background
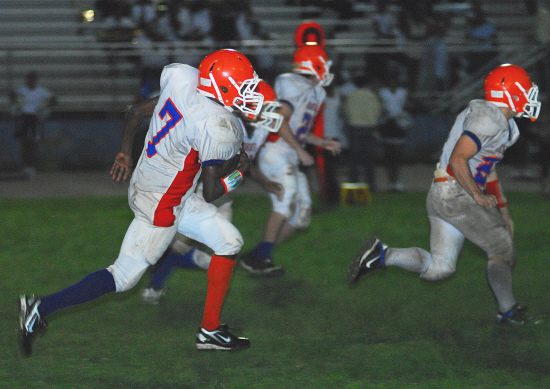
385 86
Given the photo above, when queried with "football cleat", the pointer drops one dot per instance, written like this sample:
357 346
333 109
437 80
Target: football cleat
259 266
371 258
152 295
220 339
516 315
30 323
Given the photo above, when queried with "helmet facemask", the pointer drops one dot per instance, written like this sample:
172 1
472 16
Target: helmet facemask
269 117
248 102
532 107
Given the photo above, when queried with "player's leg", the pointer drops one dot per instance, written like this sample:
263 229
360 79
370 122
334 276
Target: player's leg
202 222
301 217
143 244
183 253
487 230
283 170
445 245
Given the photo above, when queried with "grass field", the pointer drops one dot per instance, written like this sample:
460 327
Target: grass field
309 329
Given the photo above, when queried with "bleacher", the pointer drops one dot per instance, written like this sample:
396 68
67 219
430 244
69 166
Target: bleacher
86 75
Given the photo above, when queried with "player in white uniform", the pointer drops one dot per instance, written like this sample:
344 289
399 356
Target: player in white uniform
193 133
189 255
465 199
302 94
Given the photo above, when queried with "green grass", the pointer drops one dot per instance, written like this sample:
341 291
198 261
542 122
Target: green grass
309 329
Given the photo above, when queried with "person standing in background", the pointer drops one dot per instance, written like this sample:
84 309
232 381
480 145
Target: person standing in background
363 109
392 130
31 105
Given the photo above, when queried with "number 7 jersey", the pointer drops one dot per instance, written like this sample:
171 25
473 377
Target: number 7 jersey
187 130
487 126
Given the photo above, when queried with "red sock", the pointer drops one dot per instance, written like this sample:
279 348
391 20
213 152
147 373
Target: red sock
219 275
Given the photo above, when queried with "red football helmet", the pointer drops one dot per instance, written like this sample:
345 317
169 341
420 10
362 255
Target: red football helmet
510 86
227 76
269 117
312 60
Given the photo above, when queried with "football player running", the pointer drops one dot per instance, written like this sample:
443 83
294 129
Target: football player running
466 200
186 254
193 133
301 94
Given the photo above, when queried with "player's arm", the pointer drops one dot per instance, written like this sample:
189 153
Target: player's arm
463 151
122 168
271 186
333 146
221 178
286 133
492 187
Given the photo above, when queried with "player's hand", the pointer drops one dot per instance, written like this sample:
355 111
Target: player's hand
333 146
508 220
244 161
306 158
486 201
122 168
275 188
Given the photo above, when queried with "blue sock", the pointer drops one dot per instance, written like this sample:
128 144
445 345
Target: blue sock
171 261
263 249
89 288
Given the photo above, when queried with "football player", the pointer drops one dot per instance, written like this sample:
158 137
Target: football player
193 133
301 94
189 255
466 199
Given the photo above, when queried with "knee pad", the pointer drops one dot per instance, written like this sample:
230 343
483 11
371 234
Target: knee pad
289 180
302 215
127 272
438 271
202 259
146 242
302 212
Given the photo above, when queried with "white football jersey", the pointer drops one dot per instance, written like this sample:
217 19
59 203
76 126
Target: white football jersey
255 140
187 130
487 126
305 99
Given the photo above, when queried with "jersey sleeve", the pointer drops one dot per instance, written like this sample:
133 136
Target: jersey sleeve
483 123
285 90
220 140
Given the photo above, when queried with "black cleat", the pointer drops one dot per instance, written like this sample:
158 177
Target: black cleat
516 316
259 266
30 323
371 258
220 339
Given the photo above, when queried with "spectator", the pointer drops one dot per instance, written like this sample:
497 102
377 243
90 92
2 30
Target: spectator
115 13
333 128
393 129
415 23
31 104
433 72
151 62
482 34
541 128
542 35
248 28
224 14
363 110
385 22
143 13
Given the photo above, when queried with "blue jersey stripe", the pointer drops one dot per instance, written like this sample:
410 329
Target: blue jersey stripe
213 162
474 138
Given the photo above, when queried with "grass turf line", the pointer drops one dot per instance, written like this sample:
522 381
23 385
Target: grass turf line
308 329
